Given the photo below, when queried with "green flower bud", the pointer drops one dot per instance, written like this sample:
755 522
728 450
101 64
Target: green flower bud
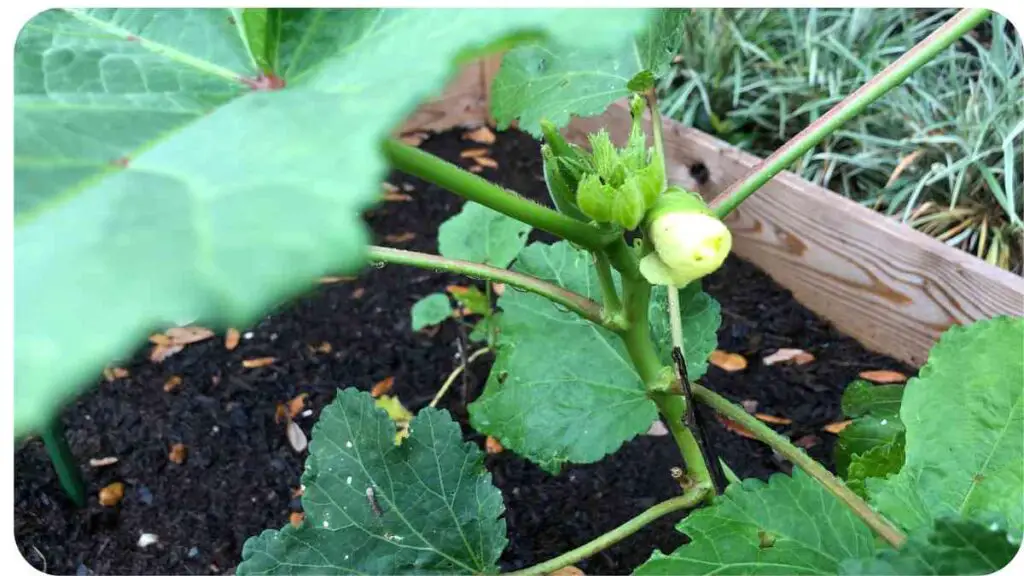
559 190
595 198
689 241
629 206
650 181
606 159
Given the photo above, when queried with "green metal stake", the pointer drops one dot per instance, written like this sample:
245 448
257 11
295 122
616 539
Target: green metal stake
64 461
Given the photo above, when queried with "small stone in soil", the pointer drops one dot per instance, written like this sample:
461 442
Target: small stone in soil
144 494
146 540
193 552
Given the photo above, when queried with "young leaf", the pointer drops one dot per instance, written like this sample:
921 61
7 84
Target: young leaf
864 434
430 310
701 318
950 546
553 81
479 234
965 430
594 198
471 298
372 507
876 408
159 176
562 389
789 525
880 461
881 400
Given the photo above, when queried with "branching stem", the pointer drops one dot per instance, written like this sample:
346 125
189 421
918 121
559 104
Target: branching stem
416 162
688 500
585 307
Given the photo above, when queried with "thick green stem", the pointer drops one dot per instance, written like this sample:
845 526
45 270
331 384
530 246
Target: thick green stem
623 259
64 462
609 296
852 105
585 307
637 337
428 167
688 500
674 409
783 446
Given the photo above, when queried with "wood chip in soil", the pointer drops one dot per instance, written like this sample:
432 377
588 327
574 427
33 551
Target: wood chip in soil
883 376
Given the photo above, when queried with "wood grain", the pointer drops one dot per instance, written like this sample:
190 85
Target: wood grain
464 102
889 286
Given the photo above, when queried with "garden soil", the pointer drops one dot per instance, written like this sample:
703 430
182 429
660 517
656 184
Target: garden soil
239 474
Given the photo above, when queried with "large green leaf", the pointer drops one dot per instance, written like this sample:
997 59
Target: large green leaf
965 430
701 314
553 81
951 546
157 179
562 389
432 507
790 525
480 234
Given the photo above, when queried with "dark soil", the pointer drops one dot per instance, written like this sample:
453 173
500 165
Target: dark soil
240 471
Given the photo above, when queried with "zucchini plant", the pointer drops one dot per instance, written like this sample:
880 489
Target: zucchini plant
210 163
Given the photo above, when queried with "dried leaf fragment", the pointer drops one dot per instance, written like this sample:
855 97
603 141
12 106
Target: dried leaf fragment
794 355
111 494
383 387
486 161
728 361
162 352
400 238
473 152
772 419
476 169
481 135
749 405
657 428
114 373
296 437
231 339
184 335
413 138
172 383
836 427
101 462
396 197
568 571
735 427
296 518
258 362
807 442
280 414
177 453
493 446
324 347
883 376
903 164
295 405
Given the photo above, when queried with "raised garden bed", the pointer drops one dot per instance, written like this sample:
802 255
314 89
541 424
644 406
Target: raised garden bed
240 472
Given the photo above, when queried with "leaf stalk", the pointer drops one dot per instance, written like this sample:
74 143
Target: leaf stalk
878 523
892 76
